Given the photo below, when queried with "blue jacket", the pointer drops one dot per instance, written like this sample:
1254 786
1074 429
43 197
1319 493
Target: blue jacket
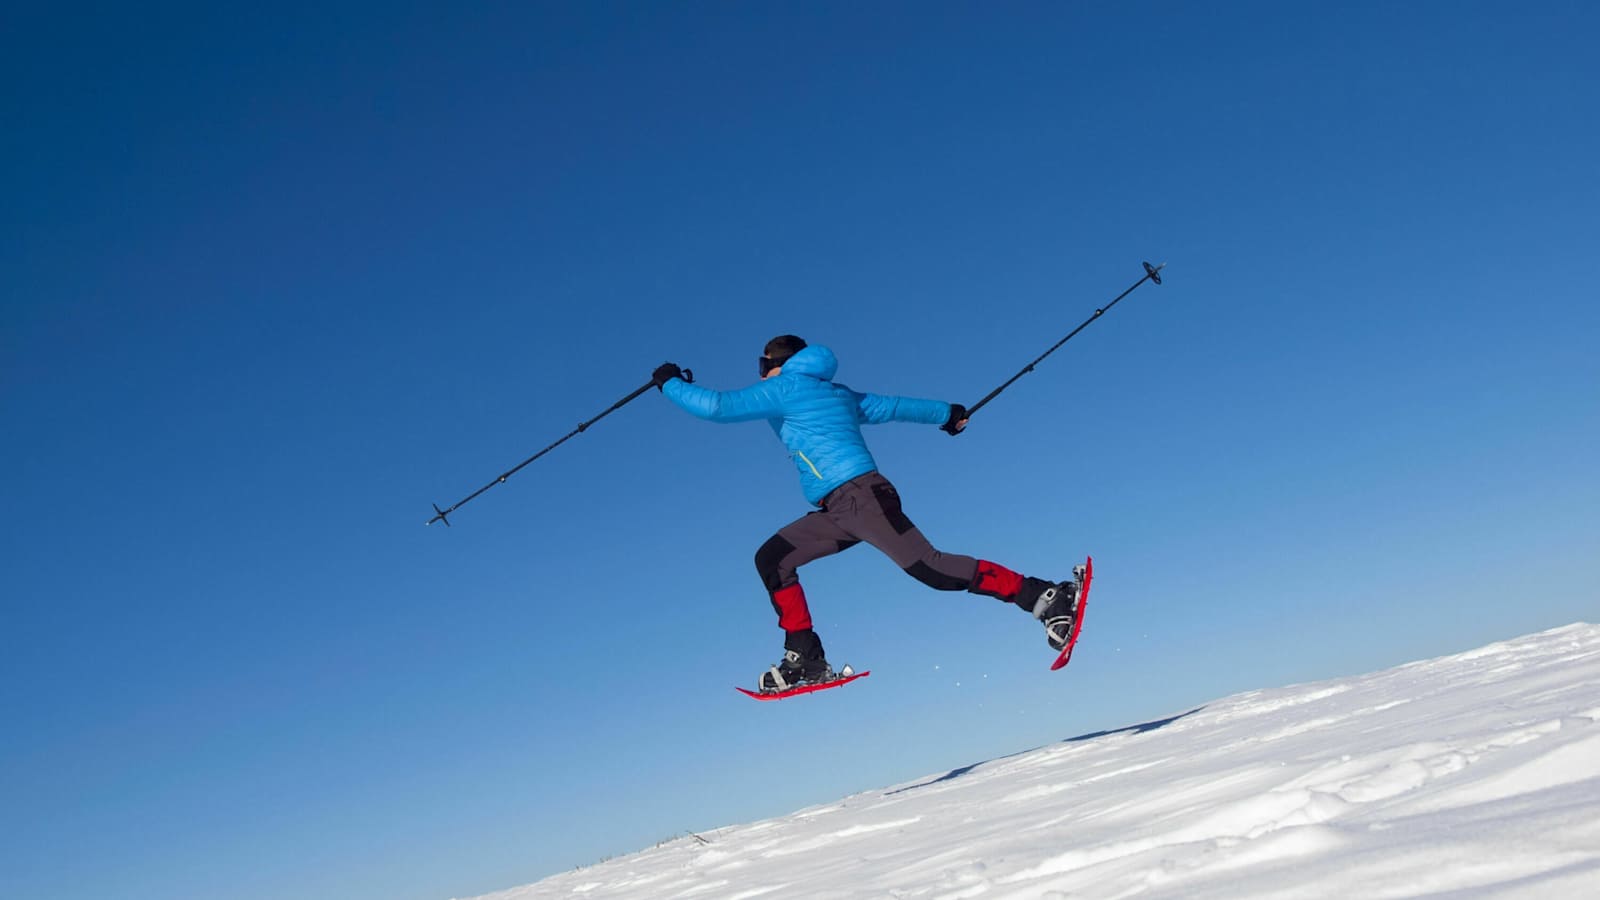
819 421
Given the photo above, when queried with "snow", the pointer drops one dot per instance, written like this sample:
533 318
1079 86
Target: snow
1473 775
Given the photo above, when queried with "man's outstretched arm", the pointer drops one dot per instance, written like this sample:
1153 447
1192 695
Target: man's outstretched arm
758 401
877 409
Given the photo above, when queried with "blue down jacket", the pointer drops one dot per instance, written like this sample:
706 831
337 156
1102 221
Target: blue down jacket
819 421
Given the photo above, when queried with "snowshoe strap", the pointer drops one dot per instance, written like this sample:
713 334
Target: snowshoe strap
1058 631
1043 603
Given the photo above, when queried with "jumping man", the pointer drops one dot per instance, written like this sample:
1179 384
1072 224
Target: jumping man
820 423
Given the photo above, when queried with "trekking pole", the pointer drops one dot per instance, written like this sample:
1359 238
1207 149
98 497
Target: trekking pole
1151 273
443 513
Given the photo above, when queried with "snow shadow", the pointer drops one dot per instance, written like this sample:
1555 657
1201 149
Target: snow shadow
1141 728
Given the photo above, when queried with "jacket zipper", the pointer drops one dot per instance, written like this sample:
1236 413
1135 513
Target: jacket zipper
808 463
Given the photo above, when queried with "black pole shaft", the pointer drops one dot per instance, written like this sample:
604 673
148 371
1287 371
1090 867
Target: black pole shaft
442 513
1151 273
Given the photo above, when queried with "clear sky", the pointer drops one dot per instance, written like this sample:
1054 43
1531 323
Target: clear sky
277 278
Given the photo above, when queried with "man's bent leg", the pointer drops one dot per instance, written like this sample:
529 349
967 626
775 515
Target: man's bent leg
809 537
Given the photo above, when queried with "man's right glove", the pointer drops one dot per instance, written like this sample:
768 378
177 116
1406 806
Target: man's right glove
665 373
957 421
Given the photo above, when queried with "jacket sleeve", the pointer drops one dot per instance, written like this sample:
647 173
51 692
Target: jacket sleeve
758 401
876 409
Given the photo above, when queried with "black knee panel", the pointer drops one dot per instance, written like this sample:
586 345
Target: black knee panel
936 579
769 558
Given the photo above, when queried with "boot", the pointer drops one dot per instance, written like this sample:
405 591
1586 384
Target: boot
803 663
793 672
1056 605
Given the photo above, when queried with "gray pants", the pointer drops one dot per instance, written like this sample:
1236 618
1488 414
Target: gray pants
866 508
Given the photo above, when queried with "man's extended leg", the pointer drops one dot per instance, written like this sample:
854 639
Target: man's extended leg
869 509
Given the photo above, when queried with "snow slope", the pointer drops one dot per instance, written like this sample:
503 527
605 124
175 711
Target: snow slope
1474 775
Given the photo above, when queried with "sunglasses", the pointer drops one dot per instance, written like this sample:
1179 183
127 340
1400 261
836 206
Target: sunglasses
767 364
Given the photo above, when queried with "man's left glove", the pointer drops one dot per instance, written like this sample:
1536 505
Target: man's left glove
665 373
957 421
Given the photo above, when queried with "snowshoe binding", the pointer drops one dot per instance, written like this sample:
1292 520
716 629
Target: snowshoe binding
795 671
1057 608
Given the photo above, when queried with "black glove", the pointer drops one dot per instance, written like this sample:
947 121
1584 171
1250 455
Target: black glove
665 373
957 413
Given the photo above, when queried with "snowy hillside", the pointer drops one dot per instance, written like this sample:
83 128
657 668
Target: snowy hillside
1476 774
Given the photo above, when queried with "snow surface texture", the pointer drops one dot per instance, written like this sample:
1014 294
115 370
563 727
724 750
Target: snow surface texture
1474 775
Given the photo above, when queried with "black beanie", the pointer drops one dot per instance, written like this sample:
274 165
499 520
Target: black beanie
784 346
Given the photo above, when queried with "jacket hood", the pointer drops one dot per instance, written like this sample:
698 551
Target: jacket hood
814 360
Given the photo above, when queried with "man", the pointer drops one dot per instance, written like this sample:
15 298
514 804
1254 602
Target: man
820 422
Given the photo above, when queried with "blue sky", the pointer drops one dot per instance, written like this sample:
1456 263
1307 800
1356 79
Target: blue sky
276 280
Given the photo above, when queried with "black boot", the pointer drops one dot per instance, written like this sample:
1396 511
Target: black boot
803 663
1056 605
